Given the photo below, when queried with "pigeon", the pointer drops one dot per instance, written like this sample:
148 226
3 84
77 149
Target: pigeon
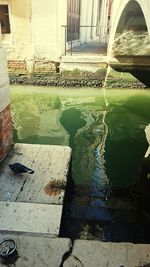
19 168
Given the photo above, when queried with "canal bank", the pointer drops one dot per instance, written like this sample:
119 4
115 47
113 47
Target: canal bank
33 202
77 71
33 220
60 252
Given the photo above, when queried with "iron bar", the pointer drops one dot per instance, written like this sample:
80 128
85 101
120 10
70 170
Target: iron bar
65 39
71 43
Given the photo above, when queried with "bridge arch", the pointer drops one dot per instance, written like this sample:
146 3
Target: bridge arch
129 15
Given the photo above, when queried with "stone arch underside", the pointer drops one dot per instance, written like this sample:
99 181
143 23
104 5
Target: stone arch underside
131 45
131 38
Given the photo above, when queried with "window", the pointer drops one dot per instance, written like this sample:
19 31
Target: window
73 20
4 19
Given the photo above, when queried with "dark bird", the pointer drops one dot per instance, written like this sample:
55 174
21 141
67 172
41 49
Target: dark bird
19 168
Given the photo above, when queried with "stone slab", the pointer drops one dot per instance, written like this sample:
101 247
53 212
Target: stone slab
37 251
46 185
92 67
30 217
84 59
102 254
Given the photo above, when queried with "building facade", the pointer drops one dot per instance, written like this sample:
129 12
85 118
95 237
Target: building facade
36 35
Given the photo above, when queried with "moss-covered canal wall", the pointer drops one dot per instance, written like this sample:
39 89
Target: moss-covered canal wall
47 73
119 77
55 80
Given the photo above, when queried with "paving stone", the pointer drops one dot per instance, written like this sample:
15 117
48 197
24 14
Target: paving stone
36 251
106 254
47 184
30 217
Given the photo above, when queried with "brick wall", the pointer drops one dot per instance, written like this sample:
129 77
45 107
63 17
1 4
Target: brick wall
25 67
45 66
17 66
5 131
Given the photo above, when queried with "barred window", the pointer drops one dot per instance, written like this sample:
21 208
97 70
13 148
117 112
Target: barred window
73 20
4 19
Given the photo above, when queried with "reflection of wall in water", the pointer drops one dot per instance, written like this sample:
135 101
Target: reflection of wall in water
90 137
26 119
39 117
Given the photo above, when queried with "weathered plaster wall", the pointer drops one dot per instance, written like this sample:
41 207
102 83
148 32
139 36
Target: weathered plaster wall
48 36
37 39
19 46
5 116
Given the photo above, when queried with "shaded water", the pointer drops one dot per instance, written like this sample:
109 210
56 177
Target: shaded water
108 144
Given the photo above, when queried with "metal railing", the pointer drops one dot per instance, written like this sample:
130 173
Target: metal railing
88 39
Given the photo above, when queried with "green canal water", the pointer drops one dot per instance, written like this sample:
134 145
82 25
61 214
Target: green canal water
108 143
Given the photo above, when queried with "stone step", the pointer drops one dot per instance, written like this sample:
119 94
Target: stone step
36 251
84 59
30 217
107 254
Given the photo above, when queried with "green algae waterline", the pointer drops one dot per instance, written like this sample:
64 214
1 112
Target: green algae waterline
108 144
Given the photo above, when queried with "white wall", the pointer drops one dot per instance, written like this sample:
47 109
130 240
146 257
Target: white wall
19 44
47 33
36 29
87 18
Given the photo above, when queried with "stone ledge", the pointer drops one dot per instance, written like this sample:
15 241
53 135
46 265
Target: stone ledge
48 182
30 217
84 59
102 254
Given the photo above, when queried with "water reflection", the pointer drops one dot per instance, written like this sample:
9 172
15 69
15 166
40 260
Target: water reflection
37 120
22 123
88 132
108 143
